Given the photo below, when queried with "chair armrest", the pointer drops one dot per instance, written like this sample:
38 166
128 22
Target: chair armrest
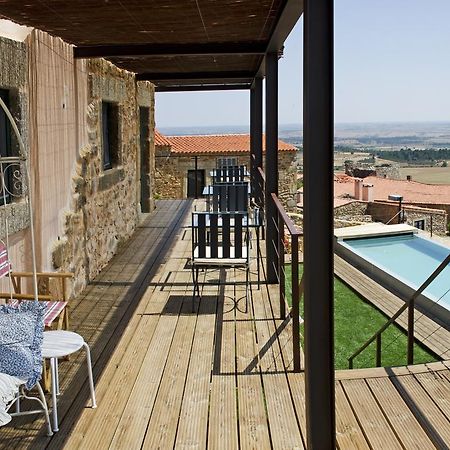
7 295
43 274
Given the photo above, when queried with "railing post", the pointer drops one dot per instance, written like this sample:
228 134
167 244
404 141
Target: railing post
295 303
411 331
281 266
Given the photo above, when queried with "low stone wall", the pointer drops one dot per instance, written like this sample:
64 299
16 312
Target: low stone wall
435 219
351 213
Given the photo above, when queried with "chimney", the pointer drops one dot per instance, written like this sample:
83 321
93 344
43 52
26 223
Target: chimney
358 188
367 192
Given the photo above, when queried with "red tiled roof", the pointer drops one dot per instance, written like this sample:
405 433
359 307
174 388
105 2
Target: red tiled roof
218 144
161 140
412 191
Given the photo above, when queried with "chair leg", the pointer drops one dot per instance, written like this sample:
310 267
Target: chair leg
53 369
246 287
43 402
193 290
257 259
91 377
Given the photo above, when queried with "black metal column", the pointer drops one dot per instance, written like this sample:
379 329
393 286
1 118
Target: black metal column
318 222
256 138
271 166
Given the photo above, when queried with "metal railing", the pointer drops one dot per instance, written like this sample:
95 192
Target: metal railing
288 242
409 304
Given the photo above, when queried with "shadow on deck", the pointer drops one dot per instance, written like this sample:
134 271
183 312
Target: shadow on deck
215 376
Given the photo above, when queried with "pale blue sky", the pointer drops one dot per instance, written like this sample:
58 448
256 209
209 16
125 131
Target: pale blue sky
392 63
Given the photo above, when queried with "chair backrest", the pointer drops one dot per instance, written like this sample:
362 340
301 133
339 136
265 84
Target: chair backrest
229 174
220 235
5 265
229 197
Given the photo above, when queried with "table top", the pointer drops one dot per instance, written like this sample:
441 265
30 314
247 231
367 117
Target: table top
60 343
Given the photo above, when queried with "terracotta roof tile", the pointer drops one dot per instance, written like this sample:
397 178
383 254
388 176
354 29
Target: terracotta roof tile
161 140
412 191
221 143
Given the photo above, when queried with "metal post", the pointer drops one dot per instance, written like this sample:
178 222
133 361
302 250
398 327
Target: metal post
318 223
410 353
281 273
271 166
256 138
196 180
295 303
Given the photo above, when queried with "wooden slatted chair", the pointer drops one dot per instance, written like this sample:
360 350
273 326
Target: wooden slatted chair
229 174
230 197
220 240
52 289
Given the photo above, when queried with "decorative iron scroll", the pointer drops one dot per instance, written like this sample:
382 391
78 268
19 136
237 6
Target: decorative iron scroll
12 180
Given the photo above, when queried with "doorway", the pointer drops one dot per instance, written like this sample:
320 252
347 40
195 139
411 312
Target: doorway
144 140
194 190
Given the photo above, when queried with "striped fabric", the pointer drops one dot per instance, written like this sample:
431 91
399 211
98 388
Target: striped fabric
5 265
52 310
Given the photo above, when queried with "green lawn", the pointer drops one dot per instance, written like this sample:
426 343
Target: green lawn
354 322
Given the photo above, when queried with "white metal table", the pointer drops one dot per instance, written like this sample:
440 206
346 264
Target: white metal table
58 344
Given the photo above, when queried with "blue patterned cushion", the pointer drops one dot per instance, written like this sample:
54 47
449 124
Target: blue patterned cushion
21 335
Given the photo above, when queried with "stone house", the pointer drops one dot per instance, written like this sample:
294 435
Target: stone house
180 160
424 206
88 130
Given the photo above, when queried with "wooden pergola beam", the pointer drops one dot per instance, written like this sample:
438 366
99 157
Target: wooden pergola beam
203 87
223 75
200 49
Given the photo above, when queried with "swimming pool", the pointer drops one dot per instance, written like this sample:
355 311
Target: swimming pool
402 263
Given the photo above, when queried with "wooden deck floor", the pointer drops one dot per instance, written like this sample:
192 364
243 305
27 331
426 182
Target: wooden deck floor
218 376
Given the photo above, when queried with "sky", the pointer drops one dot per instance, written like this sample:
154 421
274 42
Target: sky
392 64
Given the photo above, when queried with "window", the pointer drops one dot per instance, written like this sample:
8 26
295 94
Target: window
110 135
5 148
420 224
226 161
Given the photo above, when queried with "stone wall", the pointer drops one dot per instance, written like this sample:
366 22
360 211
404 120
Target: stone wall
105 203
172 169
363 170
434 218
351 214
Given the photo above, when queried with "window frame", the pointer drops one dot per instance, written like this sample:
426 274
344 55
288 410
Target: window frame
233 159
5 142
420 222
110 135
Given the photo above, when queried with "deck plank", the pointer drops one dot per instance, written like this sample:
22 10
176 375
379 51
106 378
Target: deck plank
402 420
348 431
431 418
253 431
193 424
370 417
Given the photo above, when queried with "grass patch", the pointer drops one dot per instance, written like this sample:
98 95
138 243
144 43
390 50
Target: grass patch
355 321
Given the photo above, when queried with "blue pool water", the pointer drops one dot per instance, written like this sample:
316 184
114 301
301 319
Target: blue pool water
410 258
